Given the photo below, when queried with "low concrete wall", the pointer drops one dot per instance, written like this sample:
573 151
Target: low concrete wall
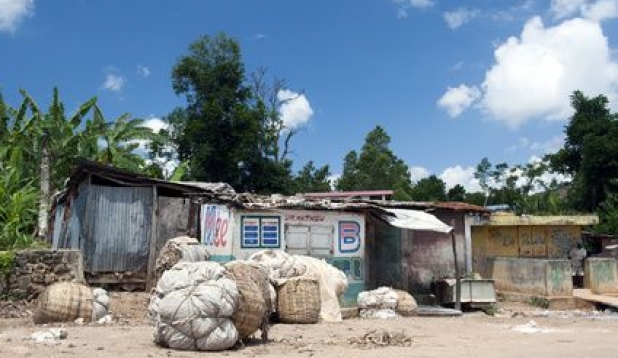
34 270
540 277
601 275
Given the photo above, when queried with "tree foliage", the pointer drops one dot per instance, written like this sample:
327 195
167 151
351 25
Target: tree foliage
229 131
312 179
590 153
376 167
431 188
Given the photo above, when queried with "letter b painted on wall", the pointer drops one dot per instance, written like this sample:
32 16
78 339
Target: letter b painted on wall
349 237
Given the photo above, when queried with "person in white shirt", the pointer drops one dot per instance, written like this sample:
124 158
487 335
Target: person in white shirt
577 256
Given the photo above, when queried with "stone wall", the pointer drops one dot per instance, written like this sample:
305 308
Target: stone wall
34 270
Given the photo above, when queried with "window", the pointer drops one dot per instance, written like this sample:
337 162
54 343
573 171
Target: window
260 232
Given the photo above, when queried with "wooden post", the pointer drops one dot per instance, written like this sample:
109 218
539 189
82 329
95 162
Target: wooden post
150 275
457 276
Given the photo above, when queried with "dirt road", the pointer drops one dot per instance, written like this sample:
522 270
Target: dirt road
469 336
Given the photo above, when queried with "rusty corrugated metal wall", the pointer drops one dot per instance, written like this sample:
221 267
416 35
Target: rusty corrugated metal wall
115 229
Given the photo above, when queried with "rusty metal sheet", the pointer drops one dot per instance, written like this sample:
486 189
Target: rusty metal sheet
116 228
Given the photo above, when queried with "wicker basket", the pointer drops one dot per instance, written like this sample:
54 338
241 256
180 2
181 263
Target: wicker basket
64 302
406 304
255 305
298 300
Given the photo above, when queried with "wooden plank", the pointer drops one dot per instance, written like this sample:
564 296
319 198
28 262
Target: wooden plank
152 255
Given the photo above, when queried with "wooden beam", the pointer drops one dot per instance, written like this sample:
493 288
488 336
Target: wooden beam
457 275
152 259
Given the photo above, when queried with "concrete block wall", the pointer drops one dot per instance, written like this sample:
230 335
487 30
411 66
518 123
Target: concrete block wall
601 275
538 277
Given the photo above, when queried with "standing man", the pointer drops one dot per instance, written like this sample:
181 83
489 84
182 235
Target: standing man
577 256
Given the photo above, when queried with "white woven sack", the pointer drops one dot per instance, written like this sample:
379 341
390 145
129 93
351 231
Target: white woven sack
380 298
192 308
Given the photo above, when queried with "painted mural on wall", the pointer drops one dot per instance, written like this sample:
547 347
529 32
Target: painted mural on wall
216 228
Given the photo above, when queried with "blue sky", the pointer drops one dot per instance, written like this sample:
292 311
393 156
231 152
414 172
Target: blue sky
451 81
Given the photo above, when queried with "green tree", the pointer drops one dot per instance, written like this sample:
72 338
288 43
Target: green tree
312 179
590 151
431 188
456 193
377 167
227 131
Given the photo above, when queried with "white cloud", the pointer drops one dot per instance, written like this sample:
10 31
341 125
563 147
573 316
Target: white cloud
418 173
295 109
600 10
459 17
143 71
534 75
566 8
13 12
458 99
549 146
114 83
462 176
156 124
421 4
404 5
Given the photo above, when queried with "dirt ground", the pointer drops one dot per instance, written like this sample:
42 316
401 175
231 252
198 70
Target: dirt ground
530 333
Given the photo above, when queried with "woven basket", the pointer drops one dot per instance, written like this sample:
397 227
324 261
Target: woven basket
406 304
64 302
298 300
255 304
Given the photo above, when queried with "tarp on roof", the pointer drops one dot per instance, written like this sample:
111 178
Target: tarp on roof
415 220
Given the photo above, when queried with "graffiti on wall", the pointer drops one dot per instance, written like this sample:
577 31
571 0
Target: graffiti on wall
532 242
561 242
349 237
215 225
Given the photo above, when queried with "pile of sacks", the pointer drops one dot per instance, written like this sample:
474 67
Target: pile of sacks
70 301
311 282
209 307
385 302
182 248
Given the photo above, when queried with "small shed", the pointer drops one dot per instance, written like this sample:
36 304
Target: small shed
121 220
528 254
413 259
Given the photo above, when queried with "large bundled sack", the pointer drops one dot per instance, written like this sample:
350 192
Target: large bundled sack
192 307
64 302
332 283
385 302
298 300
406 304
182 248
100 303
280 264
255 300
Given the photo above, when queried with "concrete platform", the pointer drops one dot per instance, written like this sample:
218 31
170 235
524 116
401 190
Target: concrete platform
585 294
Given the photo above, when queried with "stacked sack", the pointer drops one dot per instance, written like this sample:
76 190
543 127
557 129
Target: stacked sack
192 307
182 248
315 286
68 301
256 297
385 302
